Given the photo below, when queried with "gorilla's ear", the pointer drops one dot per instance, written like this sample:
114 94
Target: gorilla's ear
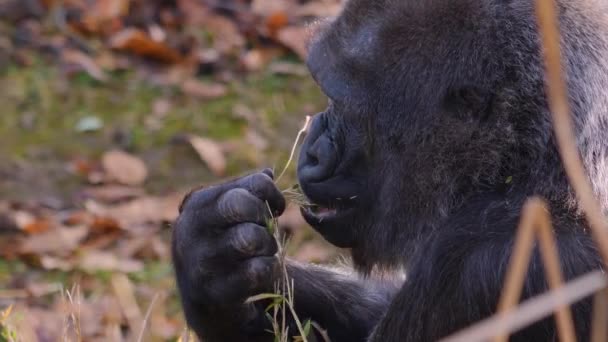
469 103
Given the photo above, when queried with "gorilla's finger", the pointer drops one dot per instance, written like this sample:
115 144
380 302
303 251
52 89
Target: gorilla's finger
248 240
253 276
200 197
268 172
238 206
261 185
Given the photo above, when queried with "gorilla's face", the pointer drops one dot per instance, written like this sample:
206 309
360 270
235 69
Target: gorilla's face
420 118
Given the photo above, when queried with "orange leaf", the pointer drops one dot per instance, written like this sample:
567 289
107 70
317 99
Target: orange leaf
38 226
105 224
275 22
138 42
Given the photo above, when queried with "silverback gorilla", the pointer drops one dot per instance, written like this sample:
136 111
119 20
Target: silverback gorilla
436 133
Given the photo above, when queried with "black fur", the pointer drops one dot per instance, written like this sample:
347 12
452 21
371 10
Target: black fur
437 132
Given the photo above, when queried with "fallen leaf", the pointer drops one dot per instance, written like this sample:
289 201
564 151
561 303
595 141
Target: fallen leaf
94 261
58 241
124 167
139 211
85 63
103 15
22 218
125 291
275 22
226 36
37 226
113 193
257 59
295 38
211 153
138 42
105 224
203 90
266 8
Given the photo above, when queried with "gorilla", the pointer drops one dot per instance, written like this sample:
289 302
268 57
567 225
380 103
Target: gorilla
436 133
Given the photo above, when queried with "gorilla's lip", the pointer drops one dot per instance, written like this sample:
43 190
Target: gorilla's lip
316 214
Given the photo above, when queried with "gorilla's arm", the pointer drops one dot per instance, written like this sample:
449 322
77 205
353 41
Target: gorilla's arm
458 279
346 306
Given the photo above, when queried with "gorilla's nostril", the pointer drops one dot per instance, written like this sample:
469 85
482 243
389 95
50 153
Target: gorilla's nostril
319 160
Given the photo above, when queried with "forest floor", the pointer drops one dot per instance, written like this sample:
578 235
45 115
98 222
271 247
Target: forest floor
95 157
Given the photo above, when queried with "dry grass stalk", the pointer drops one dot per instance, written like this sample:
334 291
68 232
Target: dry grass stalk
294 147
599 332
557 96
532 310
125 292
283 295
72 319
144 323
535 221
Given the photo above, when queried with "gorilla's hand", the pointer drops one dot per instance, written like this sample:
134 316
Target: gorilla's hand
223 253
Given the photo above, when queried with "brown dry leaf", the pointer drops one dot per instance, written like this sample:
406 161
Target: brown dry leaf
295 38
79 217
227 37
139 211
258 59
113 193
35 324
104 15
139 42
125 291
266 7
104 224
94 261
38 226
53 263
275 22
59 241
124 167
211 153
22 218
203 90
85 63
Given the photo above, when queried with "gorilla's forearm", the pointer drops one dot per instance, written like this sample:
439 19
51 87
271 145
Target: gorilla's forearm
346 306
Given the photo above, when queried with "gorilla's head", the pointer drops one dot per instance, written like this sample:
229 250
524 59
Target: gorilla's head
433 104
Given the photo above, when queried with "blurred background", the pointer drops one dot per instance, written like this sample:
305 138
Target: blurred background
110 110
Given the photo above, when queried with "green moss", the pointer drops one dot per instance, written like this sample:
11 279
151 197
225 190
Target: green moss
42 111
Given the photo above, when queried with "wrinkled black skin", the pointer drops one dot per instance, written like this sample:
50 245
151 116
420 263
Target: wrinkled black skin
436 134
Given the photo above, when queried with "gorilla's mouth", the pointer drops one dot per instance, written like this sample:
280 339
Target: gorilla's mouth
316 214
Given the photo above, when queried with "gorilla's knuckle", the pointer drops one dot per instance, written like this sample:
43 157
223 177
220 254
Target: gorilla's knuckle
259 270
248 239
236 204
260 184
197 198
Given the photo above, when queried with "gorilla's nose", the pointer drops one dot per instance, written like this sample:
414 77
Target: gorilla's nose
318 157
